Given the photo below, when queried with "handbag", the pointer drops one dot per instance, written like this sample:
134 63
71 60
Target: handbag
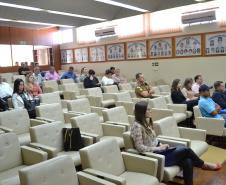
72 139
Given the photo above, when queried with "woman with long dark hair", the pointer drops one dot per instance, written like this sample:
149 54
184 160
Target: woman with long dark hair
145 140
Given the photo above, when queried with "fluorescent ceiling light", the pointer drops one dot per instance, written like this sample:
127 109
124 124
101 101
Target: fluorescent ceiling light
50 11
36 23
114 3
200 0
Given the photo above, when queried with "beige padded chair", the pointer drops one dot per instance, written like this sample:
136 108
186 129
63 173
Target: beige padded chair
53 112
57 171
53 97
8 77
104 159
49 138
66 81
18 121
118 115
15 157
97 98
71 91
127 87
160 109
164 88
164 173
195 138
158 92
90 125
14 77
50 86
82 106
212 126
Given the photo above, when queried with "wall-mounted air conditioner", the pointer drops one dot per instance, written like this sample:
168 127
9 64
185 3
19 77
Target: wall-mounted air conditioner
199 17
105 32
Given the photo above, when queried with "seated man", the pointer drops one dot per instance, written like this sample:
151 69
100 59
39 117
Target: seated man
5 93
117 77
206 104
23 69
198 82
70 74
107 78
52 74
143 90
218 96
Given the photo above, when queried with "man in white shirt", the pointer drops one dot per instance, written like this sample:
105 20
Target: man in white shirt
198 82
107 79
5 93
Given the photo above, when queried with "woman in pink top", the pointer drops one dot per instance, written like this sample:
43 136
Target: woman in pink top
52 74
32 87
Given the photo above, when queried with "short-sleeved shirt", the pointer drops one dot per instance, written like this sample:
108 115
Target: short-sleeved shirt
195 88
141 88
207 106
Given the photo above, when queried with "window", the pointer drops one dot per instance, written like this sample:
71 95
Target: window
22 53
63 36
6 59
42 54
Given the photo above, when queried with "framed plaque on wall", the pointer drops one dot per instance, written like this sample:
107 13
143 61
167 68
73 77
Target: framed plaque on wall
136 50
66 56
81 54
160 48
97 53
116 52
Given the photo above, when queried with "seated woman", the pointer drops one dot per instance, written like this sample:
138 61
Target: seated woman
145 140
178 97
187 91
33 87
84 74
91 81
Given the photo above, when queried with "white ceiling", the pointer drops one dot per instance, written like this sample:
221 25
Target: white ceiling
83 7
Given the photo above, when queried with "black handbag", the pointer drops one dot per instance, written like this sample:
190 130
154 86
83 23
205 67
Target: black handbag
72 139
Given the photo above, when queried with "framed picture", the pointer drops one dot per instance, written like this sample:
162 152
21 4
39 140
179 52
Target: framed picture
160 48
66 56
97 53
215 44
188 46
136 50
81 54
115 52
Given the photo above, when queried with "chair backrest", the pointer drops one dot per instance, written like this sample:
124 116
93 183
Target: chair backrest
156 90
104 156
128 141
51 83
10 152
89 123
79 105
48 134
93 91
66 81
56 171
197 112
8 77
110 89
159 102
116 114
164 88
51 111
122 96
48 98
19 77
125 86
168 99
70 87
167 127
16 119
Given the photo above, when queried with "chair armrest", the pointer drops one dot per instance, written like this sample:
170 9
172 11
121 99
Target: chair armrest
106 176
6 129
85 178
95 137
212 126
77 113
47 89
131 119
158 114
95 100
140 164
45 119
192 134
70 95
87 140
177 139
172 143
97 110
35 122
113 130
118 123
68 116
178 108
32 156
52 152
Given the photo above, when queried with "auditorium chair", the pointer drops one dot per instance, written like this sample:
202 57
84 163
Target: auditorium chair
18 121
82 106
66 81
71 91
8 77
158 92
97 98
160 109
104 159
53 112
164 88
14 77
57 171
14 157
53 97
213 126
118 116
195 138
164 173
49 138
113 89
127 87
90 125
50 86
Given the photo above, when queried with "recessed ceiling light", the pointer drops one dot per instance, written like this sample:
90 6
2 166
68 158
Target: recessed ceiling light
114 3
49 11
199 0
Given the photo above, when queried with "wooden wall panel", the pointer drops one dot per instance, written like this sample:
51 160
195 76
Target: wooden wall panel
21 36
4 35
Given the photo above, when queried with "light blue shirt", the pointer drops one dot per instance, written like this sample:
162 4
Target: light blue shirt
206 106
